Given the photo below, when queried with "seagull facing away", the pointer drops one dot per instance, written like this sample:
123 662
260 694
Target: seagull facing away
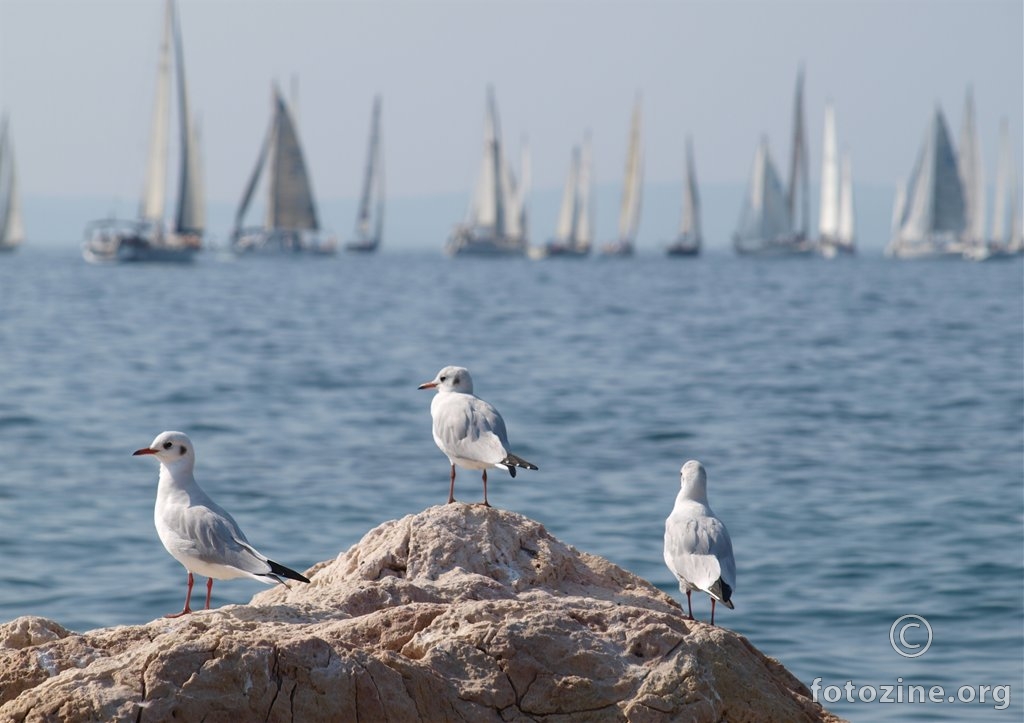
197 532
698 550
469 430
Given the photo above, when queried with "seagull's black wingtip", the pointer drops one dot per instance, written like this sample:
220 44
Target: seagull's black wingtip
279 569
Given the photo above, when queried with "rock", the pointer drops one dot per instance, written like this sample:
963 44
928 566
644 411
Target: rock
459 613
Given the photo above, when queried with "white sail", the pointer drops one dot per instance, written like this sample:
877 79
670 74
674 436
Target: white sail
972 175
828 217
765 214
1015 243
154 191
1003 170
522 190
12 231
565 230
191 213
484 210
584 207
798 196
1006 208
689 224
629 212
845 227
378 225
497 218
899 206
372 183
291 204
935 205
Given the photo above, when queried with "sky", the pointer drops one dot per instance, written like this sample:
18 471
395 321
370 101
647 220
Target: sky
77 79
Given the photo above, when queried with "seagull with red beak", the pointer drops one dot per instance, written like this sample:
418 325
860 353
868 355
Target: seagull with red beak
197 532
467 429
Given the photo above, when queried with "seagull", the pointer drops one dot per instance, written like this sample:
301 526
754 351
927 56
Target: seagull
698 550
197 532
467 429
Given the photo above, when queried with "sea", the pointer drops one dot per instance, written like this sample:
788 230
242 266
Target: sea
861 421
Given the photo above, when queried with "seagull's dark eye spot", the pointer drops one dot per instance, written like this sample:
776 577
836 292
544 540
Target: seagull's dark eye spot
183 450
168 445
443 378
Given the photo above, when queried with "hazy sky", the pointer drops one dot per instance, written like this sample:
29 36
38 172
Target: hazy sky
77 78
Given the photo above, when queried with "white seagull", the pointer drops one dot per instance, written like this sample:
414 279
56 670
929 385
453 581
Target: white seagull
197 532
698 550
467 429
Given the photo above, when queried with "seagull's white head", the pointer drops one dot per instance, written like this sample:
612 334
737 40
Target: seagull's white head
451 379
694 481
171 448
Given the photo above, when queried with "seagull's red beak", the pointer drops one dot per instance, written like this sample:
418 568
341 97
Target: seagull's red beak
144 450
427 385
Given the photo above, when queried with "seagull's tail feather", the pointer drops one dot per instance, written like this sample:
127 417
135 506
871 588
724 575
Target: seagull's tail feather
277 569
721 591
511 462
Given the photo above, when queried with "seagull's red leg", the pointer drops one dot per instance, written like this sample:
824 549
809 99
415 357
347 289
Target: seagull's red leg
689 605
209 591
486 503
712 611
451 488
188 598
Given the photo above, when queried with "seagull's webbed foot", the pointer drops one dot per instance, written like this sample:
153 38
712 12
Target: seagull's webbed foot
186 611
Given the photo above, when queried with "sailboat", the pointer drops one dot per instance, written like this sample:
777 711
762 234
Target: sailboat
688 241
12 231
632 192
931 220
370 219
494 225
972 180
574 232
769 226
764 225
1007 224
1006 238
835 217
146 239
290 222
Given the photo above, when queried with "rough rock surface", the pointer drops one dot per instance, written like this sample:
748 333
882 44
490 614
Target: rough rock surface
459 613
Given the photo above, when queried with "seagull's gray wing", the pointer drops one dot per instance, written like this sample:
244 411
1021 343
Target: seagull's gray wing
699 551
470 428
217 539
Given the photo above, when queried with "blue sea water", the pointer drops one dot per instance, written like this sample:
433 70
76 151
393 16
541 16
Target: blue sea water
861 422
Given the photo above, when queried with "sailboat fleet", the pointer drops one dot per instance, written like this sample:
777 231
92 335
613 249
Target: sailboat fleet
939 212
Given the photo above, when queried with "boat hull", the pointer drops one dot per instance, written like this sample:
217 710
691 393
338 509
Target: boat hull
775 248
113 241
618 248
362 247
464 243
283 241
684 246
557 249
